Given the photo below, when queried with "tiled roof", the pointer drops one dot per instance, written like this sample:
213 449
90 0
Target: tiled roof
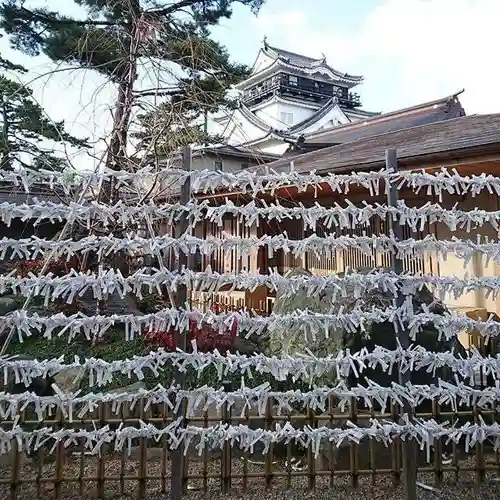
240 152
42 192
422 114
301 61
293 57
459 134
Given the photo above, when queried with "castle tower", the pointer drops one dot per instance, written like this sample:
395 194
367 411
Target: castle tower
288 95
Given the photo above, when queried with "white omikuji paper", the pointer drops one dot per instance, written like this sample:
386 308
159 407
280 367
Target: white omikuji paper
306 367
301 366
76 406
423 432
356 285
328 246
251 182
335 218
312 325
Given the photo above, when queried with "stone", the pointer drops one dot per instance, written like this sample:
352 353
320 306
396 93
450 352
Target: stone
114 304
69 380
126 413
7 304
244 346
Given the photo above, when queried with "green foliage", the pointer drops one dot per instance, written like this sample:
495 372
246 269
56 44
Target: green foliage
116 34
24 125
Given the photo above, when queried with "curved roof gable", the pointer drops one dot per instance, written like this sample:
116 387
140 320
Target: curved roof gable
271 59
326 111
422 114
330 107
304 62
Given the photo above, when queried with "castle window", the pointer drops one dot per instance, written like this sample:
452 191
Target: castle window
286 118
218 166
293 80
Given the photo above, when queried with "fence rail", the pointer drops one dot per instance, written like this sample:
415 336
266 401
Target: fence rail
147 469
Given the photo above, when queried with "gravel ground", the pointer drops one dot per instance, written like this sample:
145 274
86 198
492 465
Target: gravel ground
382 489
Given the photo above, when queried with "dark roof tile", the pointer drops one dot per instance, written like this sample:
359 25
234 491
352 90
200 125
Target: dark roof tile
445 136
430 112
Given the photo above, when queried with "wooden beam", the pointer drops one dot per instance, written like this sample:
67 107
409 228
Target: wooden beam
180 337
397 265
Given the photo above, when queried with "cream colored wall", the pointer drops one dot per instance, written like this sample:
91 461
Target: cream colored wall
477 267
452 266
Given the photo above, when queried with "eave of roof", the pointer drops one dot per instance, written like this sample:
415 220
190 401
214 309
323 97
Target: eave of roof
320 113
356 112
438 107
278 63
463 140
238 152
294 130
458 134
40 191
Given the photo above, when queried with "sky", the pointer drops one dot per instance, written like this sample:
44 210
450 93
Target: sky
409 52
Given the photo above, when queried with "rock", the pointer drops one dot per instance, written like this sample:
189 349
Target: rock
68 381
128 388
114 304
126 413
244 346
7 304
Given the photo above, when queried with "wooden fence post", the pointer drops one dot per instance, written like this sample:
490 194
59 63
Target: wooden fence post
408 447
177 461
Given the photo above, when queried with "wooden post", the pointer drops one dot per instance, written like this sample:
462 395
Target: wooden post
181 297
226 449
408 447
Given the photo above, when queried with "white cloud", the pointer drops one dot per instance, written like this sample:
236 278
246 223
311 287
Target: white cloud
410 51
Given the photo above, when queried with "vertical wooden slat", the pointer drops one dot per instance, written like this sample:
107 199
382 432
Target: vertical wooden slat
143 458
124 413
373 456
81 473
226 450
205 456
408 447
396 447
353 447
438 447
101 464
311 459
246 453
178 475
332 448
16 466
288 464
480 469
164 451
455 458
269 456
59 466
39 470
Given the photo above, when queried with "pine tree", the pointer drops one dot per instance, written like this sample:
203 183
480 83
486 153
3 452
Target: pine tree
25 126
116 36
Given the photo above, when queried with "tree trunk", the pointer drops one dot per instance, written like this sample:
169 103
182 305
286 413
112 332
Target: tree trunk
5 161
117 152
